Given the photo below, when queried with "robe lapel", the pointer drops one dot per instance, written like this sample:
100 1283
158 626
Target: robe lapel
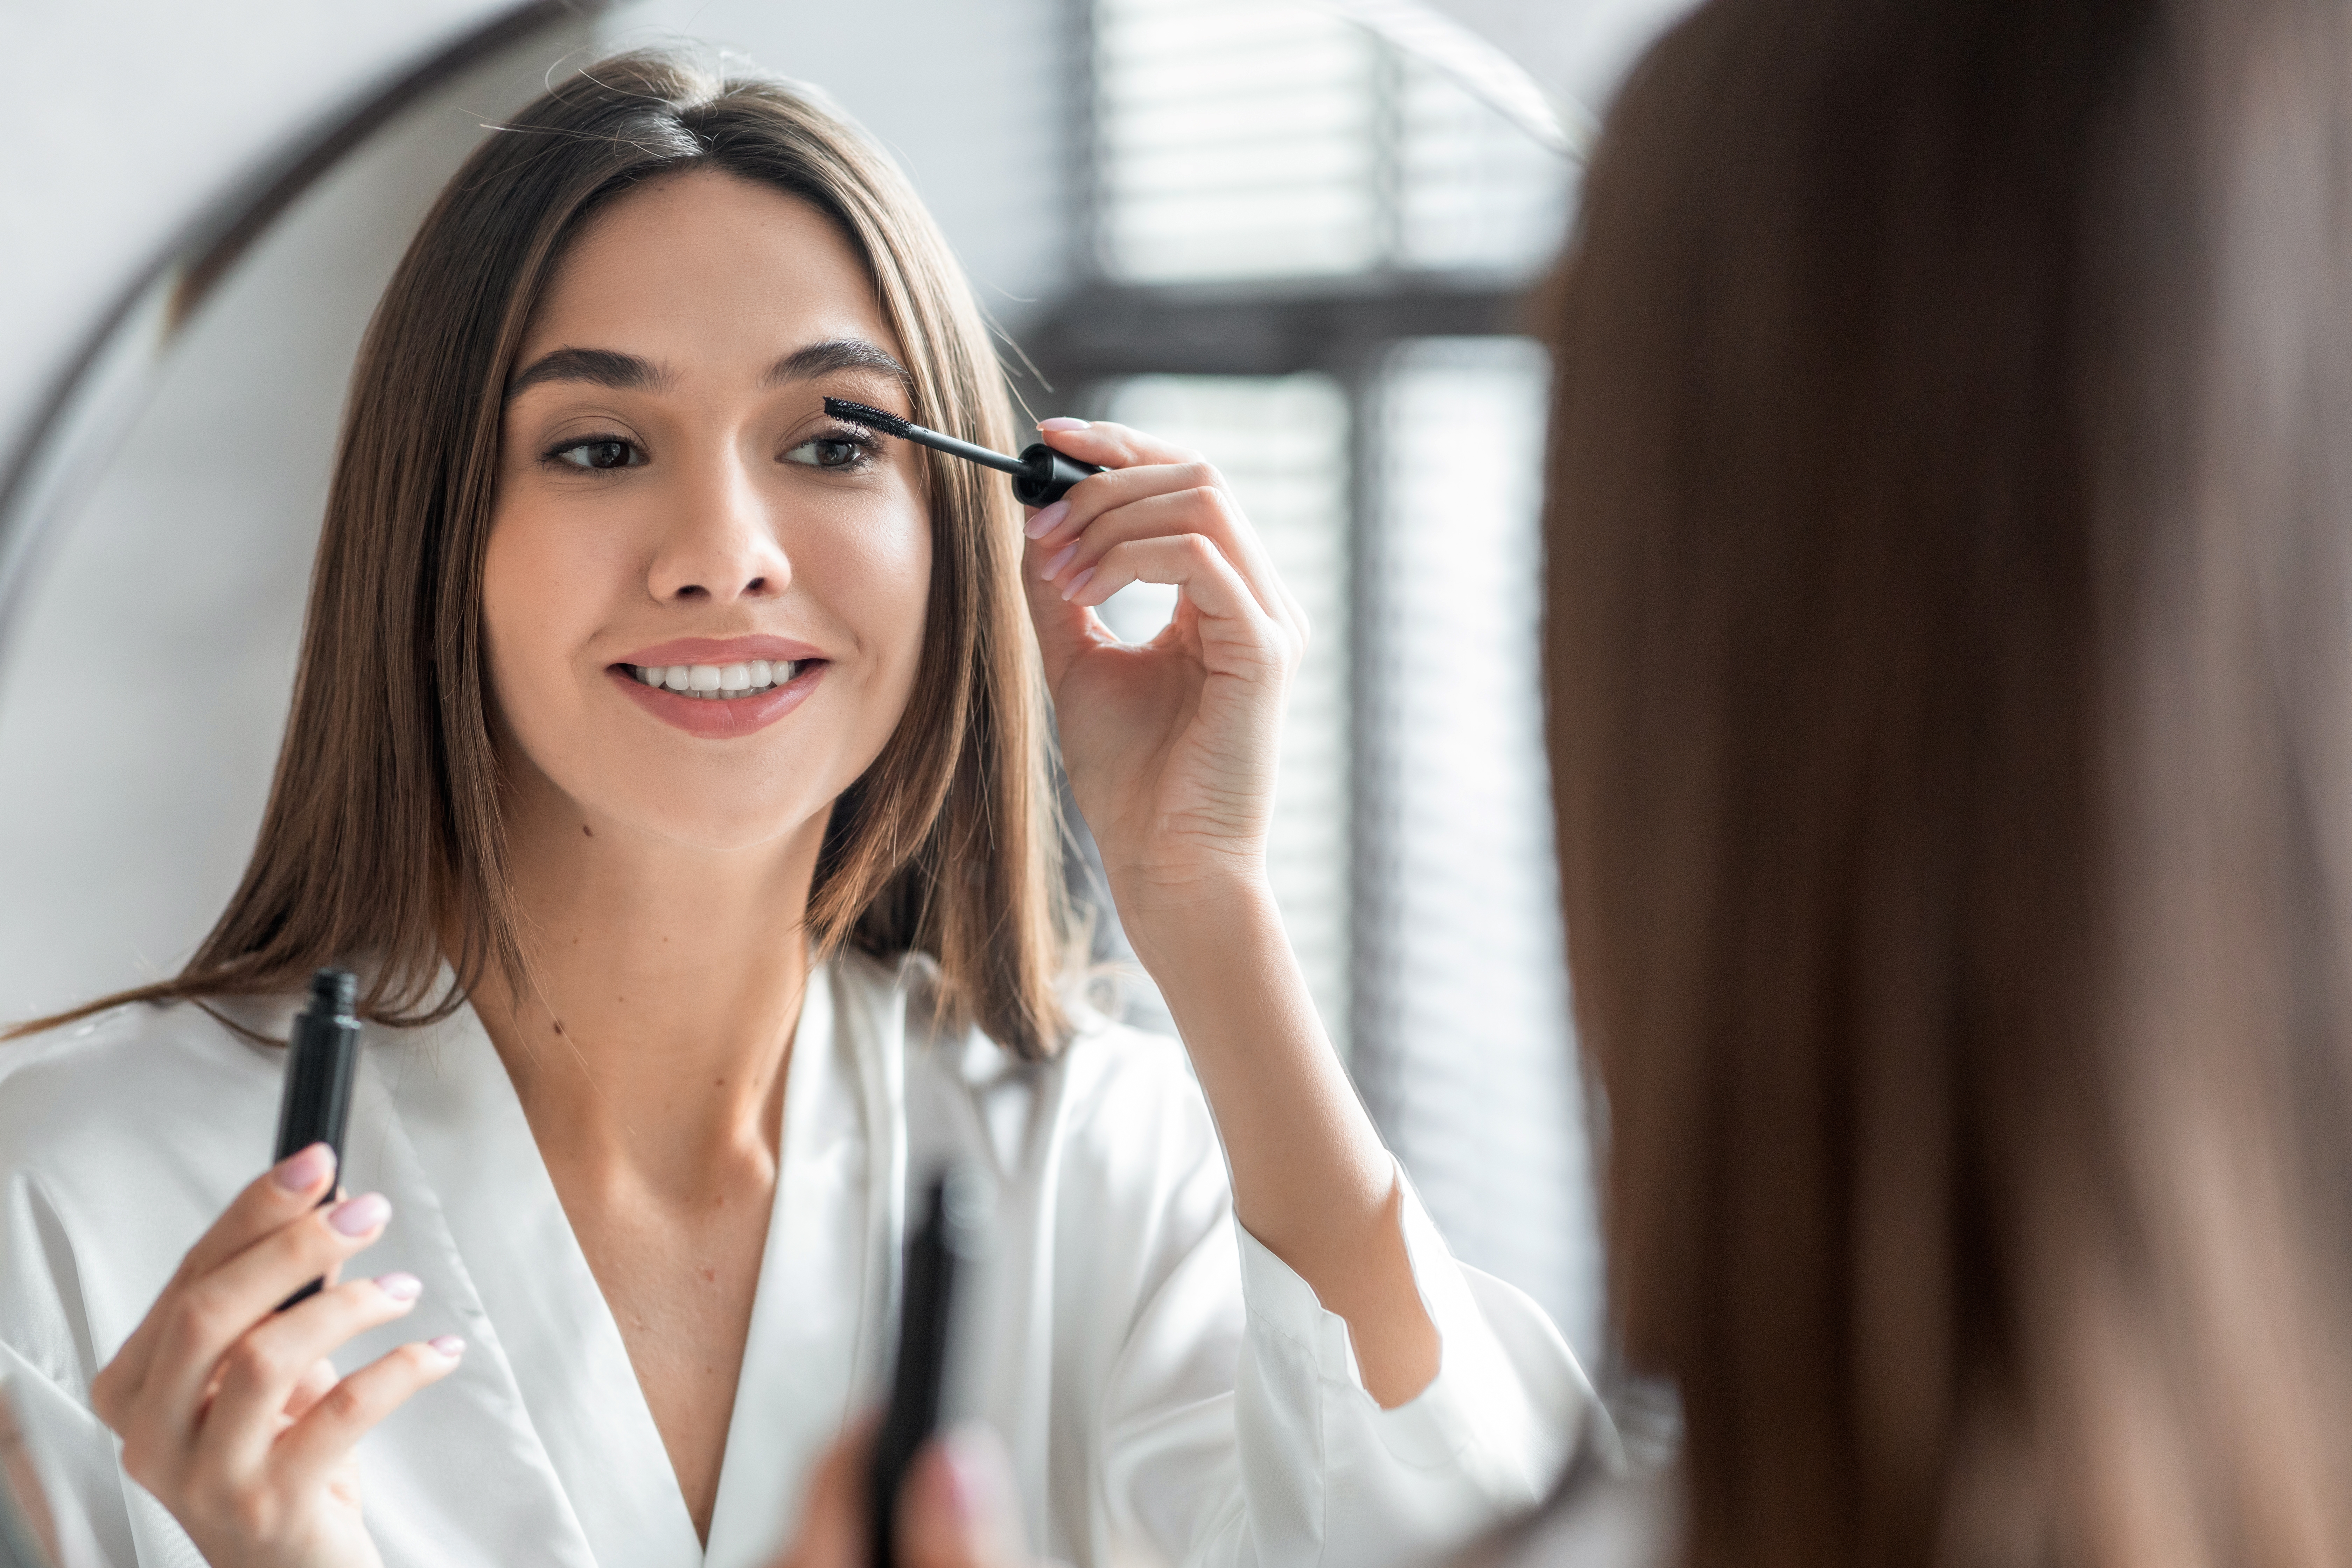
830 1269
547 1319
474 1484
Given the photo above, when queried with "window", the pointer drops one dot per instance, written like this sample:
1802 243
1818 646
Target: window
1282 443
1307 253
1240 139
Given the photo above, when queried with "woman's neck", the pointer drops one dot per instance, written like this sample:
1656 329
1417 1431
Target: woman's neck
650 1039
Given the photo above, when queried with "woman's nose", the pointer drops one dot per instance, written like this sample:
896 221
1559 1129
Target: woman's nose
720 545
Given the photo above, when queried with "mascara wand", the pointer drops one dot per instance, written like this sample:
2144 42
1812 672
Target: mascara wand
1041 476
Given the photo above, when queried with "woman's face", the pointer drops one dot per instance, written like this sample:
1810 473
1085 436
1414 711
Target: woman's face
675 510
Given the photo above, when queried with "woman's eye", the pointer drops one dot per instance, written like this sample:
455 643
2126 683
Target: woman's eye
827 452
599 452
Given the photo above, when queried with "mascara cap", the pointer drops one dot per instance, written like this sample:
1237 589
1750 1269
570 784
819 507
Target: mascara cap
1051 474
333 992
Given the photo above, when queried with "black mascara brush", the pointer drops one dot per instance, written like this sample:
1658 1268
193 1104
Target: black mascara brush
1041 476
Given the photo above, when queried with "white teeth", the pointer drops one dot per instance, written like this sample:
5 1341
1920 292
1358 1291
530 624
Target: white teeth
718 681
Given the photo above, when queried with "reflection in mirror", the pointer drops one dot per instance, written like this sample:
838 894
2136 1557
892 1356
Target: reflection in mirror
1258 230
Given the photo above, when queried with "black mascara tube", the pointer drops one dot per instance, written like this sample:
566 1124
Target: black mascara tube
1041 476
321 1059
953 1236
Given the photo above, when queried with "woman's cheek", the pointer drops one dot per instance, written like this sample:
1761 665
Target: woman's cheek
530 595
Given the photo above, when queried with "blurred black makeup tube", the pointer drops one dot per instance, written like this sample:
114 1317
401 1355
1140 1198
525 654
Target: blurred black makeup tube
1041 476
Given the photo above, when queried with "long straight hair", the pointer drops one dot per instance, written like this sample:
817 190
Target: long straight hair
384 822
1949 654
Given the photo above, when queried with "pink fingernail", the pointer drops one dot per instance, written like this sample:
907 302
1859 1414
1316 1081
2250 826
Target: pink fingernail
400 1287
974 1483
1045 522
304 1169
1064 422
1077 583
449 1346
1061 558
359 1215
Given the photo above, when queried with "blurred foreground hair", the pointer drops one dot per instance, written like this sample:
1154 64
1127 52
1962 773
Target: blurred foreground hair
382 839
1950 662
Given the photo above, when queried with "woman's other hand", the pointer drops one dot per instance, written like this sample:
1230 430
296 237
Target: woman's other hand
228 1409
957 1508
1172 746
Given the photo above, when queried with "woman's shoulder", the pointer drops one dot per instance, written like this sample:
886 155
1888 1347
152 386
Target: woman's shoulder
82 1093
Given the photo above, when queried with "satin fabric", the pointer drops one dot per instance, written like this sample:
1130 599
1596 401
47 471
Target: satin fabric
1170 1390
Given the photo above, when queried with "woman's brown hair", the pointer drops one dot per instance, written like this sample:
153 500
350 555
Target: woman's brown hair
382 825
1950 677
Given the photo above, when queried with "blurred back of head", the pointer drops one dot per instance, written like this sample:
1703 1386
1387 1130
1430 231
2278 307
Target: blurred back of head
1950 570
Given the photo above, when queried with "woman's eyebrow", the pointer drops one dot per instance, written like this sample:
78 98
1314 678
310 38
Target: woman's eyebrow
838 353
599 367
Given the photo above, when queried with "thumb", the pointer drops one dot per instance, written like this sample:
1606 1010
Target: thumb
832 1532
1064 630
961 1507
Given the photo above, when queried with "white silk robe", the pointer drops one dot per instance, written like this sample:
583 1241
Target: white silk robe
1170 1390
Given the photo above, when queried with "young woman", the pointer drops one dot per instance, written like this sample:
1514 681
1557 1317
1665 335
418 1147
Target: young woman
668 758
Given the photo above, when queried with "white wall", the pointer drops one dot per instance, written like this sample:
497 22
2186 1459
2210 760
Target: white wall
137 109
142 702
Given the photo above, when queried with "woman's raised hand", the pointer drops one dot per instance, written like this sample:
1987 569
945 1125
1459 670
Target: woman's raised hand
227 1408
1172 746
1171 749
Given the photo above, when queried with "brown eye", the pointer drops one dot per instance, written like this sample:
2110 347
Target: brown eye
599 452
826 452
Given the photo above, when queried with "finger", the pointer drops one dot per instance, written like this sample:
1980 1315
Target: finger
263 1368
960 1507
1229 614
319 1377
1053 526
1204 510
1064 630
1112 445
284 1193
319 1442
207 1315
832 1531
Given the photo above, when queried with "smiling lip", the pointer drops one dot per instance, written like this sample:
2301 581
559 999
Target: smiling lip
721 718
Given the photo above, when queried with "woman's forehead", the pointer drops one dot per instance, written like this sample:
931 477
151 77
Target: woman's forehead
705 272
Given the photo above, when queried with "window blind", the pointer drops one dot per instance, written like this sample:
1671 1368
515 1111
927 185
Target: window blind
1282 443
1255 139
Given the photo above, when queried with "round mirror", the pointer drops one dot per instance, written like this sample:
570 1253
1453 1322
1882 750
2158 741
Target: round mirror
1296 236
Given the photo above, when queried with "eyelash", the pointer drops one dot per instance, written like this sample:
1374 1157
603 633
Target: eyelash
867 445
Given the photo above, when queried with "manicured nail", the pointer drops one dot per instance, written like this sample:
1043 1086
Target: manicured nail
1077 583
1062 421
304 1169
975 1473
449 1346
1053 568
400 1287
1045 522
361 1214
